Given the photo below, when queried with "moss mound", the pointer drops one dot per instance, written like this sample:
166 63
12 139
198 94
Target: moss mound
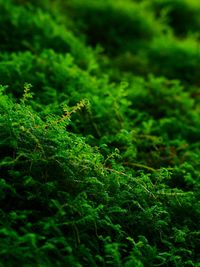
99 133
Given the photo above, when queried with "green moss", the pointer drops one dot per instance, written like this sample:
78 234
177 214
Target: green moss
99 144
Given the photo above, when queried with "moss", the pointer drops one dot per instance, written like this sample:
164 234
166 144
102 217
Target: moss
99 133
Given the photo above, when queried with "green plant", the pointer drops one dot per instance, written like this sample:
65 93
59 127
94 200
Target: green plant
99 147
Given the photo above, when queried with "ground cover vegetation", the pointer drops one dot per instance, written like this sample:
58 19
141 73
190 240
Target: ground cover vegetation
100 133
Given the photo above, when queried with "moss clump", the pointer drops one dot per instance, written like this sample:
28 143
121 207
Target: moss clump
99 133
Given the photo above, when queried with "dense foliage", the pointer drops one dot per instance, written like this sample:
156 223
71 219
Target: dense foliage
100 133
